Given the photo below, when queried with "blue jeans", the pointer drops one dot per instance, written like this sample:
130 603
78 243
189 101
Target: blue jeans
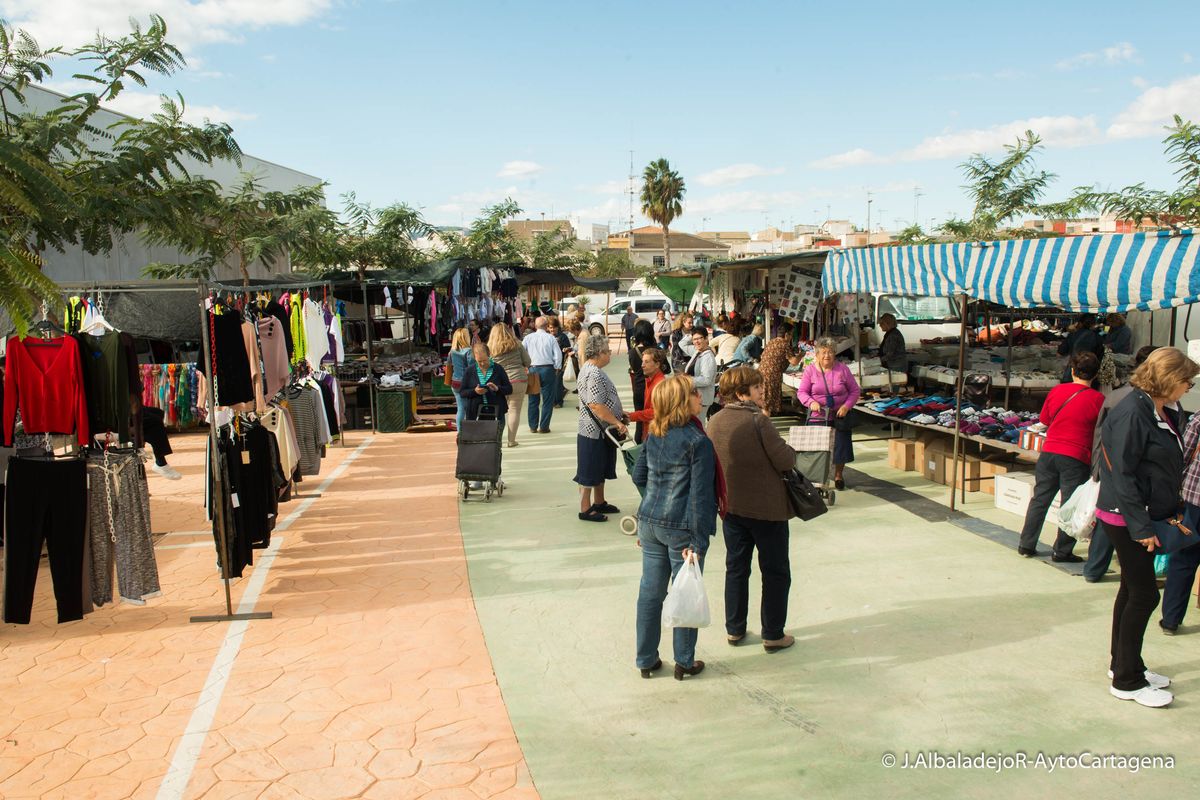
541 406
1177 591
1100 553
662 556
460 403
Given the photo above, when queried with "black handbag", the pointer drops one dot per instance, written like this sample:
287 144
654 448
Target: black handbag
803 497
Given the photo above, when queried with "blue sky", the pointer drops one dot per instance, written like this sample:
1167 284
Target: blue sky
772 112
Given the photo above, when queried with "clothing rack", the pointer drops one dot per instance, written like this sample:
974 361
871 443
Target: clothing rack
214 466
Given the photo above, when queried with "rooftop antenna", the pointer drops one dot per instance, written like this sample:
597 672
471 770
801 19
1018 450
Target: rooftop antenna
631 194
917 205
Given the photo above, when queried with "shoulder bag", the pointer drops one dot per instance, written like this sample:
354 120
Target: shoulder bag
803 497
535 384
834 421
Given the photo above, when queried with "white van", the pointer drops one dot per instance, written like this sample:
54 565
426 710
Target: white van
917 317
646 306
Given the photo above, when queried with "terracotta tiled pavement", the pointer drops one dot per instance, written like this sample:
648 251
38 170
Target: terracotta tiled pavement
372 679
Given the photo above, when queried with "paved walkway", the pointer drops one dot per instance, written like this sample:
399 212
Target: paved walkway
913 634
372 679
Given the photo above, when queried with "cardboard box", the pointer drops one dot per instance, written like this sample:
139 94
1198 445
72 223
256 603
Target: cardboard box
930 442
1015 490
933 466
969 469
902 454
990 469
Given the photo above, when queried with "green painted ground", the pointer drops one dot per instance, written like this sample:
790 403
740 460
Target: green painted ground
913 636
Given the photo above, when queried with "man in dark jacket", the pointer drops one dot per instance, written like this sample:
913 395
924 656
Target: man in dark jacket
1085 338
893 352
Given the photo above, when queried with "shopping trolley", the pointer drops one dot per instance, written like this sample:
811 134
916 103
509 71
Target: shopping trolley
479 454
629 451
814 456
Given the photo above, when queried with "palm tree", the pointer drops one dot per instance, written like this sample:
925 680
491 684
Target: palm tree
662 200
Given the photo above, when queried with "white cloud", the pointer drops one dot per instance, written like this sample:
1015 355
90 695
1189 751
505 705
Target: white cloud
735 173
519 169
850 158
1155 107
613 209
609 187
190 23
750 201
1139 82
1064 131
1119 53
146 104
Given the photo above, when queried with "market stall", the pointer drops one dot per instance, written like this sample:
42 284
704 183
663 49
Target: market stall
1076 274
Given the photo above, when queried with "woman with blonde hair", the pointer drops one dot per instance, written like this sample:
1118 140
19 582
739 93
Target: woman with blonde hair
514 358
1141 478
676 473
456 367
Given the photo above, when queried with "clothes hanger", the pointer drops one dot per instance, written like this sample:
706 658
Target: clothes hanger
47 328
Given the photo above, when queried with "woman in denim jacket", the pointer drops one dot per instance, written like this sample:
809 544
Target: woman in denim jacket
676 474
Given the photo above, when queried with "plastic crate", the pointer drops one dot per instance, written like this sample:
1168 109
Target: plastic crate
393 410
440 389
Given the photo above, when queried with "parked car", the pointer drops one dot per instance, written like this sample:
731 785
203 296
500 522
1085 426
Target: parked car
645 306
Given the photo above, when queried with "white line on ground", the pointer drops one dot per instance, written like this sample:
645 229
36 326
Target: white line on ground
187 752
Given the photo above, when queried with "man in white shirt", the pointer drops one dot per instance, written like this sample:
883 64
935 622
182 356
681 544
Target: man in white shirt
545 360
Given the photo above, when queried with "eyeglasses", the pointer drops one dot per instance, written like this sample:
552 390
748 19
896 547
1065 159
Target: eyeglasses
1190 384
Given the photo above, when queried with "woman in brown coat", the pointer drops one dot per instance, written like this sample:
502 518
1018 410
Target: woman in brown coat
753 454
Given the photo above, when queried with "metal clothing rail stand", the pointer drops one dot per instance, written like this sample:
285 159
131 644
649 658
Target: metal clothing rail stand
218 500
962 358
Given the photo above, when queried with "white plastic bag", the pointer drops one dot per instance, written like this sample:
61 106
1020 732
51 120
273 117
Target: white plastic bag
1077 516
686 605
569 371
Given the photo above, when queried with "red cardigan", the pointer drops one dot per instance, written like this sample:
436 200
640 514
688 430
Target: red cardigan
1071 424
647 412
44 379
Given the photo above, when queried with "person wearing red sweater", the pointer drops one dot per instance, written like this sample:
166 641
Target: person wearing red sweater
44 378
1070 414
653 362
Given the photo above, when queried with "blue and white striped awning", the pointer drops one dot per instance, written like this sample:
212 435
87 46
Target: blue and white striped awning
931 269
1111 272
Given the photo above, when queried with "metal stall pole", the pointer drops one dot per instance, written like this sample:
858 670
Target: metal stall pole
1012 315
962 358
218 500
370 352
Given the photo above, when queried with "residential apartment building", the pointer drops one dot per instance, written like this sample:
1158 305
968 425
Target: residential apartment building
529 229
645 246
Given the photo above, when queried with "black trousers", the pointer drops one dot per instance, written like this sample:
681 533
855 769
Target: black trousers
155 434
1055 474
47 502
1136 600
742 535
1177 592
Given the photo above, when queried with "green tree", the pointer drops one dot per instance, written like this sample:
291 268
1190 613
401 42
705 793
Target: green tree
555 250
1178 208
913 234
488 238
65 181
367 238
1001 190
246 226
612 263
662 200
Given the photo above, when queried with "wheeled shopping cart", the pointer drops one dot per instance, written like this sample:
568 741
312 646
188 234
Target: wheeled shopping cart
814 456
629 454
479 455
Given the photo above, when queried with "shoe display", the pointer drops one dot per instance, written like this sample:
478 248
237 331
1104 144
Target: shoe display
1156 680
1146 696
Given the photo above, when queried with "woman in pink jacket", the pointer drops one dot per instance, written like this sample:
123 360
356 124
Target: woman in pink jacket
828 390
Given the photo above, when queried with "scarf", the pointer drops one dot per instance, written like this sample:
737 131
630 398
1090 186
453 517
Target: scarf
719 477
485 377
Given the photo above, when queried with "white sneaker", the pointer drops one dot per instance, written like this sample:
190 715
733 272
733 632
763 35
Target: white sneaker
1147 696
1156 680
167 472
